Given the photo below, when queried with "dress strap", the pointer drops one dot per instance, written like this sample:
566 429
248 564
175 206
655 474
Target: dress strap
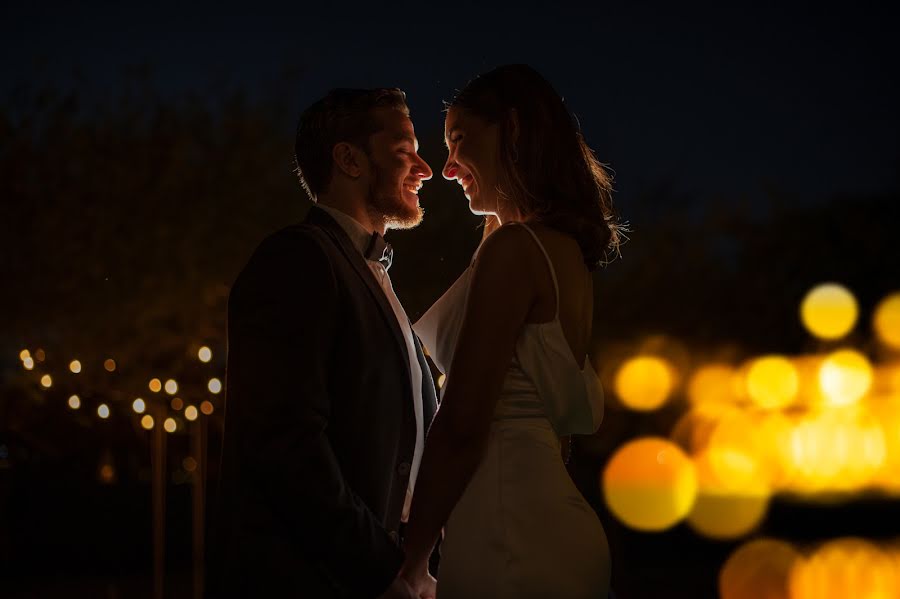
549 263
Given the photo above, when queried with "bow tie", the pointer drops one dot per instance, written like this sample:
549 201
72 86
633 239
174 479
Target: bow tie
380 250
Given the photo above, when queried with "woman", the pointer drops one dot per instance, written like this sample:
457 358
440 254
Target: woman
512 336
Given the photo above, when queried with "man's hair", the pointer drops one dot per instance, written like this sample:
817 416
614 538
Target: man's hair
344 115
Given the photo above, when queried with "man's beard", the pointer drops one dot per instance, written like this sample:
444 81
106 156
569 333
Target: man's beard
388 207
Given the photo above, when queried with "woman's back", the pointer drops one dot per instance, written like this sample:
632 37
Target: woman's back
521 528
574 304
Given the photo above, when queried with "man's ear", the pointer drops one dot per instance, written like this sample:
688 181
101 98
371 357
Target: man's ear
348 159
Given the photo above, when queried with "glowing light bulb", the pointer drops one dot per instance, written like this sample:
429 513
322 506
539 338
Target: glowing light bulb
103 411
205 354
214 385
170 425
155 385
74 402
46 381
190 413
109 364
24 354
206 407
177 403
171 387
28 363
75 366
138 405
147 422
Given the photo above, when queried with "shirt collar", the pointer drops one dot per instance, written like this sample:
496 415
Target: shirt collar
355 230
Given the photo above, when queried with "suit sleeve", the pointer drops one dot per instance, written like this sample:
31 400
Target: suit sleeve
282 319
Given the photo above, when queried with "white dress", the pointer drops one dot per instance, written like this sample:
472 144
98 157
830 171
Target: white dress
521 529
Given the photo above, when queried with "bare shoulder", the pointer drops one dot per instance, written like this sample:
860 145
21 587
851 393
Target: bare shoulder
510 246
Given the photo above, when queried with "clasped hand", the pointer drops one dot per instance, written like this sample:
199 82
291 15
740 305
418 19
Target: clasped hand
414 583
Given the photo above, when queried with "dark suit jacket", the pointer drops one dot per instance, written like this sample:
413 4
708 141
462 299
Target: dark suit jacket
319 424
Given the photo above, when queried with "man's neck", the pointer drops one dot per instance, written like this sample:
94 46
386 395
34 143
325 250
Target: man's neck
354 208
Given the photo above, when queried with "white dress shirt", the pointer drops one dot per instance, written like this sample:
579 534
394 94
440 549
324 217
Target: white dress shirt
360 237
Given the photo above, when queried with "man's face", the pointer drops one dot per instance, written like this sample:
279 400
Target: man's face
397 171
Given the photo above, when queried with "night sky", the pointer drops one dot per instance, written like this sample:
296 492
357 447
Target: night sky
721 103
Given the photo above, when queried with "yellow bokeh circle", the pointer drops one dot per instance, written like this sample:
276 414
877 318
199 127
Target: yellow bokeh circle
845 376
758 569
772 382
649 484
727 507
644 382
886 321
829 311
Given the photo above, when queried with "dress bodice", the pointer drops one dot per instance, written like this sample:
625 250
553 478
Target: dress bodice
543 379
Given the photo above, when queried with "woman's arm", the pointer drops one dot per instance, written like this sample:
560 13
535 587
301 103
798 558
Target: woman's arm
501 296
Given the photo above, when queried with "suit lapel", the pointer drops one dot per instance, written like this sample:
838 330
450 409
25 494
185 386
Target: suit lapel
322 219
429 397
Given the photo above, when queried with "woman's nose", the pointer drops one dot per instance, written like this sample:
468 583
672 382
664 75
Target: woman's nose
450 170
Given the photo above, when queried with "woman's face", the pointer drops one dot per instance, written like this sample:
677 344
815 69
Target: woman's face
473 158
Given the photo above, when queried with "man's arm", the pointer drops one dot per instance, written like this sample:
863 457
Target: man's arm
282 318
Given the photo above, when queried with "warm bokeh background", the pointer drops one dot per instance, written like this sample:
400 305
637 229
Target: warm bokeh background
743 447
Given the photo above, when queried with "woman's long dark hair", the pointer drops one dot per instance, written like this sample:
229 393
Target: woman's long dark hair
549 172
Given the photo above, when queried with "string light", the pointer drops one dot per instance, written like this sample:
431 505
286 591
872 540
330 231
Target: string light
190 413
139 406
74 402
171 387
28 363
170 425
39 355
214 385
109 365
75 366
177 403
205 354
155 385
24 354
147 422
206 407
103 411
46 381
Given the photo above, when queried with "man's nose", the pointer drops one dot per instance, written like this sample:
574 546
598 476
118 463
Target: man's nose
425 173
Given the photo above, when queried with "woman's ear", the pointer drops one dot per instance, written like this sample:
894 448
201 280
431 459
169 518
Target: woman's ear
348 159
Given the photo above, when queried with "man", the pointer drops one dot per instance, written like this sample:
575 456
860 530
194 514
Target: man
328 392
